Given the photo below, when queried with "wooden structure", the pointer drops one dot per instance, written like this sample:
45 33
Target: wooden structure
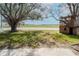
69 26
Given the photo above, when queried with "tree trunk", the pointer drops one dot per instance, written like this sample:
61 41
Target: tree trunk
13 28
72 25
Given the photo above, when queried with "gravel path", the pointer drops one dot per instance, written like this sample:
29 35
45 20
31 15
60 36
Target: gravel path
37 52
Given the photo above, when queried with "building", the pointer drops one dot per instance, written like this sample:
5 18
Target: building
71 26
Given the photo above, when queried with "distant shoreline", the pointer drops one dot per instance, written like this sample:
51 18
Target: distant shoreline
41 25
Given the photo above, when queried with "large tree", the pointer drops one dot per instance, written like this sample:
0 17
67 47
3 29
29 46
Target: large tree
74 11
16 12
73 8
63 13
64 10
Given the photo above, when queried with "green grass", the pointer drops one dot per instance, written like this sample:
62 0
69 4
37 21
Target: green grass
43 26
20 38
33 38
65 38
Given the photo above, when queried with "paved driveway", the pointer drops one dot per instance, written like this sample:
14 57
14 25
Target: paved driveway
38 52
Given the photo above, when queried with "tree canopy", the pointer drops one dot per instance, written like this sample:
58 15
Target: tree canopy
15 12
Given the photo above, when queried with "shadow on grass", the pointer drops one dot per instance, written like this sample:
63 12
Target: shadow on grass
32 38
18 39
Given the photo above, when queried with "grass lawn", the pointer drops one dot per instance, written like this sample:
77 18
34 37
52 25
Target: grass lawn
71 39
42 26
33 38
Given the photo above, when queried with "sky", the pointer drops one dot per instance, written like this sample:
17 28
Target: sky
49 20
55 7
44 21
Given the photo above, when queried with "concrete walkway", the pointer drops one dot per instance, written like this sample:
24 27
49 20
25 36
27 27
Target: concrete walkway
37 52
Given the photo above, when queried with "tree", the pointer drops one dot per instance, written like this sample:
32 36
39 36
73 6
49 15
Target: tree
74 11
73 8
63 10
66 14
16 12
